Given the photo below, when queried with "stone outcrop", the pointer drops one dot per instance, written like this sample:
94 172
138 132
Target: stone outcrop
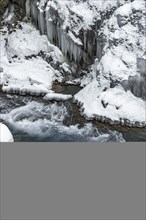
13 7
3 6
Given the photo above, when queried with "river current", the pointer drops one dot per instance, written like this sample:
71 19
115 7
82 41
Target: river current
32 119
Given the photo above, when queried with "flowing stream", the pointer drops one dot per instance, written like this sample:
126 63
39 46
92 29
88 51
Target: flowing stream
33 119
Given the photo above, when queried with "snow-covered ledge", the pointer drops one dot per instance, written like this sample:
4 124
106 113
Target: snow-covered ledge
5 134
113 105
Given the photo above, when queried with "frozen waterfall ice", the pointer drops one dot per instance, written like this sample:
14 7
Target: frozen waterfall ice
80 48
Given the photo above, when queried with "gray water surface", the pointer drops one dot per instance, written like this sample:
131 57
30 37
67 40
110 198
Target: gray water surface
33 119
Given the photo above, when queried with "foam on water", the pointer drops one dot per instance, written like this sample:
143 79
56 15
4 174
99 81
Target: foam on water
45 122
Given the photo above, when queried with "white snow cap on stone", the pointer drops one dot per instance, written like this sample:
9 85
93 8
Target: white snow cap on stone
5 134
57 97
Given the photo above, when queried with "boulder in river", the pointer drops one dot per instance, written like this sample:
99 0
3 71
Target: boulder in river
5 134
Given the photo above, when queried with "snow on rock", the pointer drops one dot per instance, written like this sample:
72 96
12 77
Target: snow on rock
112 105
118 93
72 25
113 67
57 97
125 38
23 71
20 42
77 15
28 76
27 41
3 50
63 22
5 134
24 89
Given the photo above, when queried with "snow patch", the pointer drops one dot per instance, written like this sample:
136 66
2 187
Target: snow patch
5 134
112 104
26 41
31 75
57 97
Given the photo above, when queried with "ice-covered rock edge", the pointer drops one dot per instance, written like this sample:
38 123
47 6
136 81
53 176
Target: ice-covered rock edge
95 108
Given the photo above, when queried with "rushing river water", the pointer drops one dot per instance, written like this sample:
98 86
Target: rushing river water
33 119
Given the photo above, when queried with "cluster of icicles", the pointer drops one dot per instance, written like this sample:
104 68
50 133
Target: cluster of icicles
43 18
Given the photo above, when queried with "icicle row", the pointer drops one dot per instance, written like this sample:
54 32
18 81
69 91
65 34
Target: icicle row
56 35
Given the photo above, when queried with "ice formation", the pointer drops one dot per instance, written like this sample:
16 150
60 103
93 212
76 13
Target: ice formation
51 17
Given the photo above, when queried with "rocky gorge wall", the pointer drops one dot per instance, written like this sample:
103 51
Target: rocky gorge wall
12 10
80 48
3 5
80 38
84 36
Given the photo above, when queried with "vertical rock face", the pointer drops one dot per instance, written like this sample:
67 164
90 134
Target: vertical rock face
73 25
86 29
123 58
79 45
137 84
3 5
141 66
12 10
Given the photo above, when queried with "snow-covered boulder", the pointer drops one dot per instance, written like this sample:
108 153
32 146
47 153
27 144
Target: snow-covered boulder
26 41
113 105
5 134
23 70
57 97
29 76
